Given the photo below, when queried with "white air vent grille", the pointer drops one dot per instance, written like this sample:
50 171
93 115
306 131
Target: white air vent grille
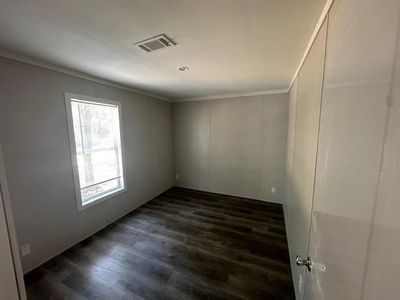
156 43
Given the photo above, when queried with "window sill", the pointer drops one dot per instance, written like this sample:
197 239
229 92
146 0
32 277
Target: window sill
100 199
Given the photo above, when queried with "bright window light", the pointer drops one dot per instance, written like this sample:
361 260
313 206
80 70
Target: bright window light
95 137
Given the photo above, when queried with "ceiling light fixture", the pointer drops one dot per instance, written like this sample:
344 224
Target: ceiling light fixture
183 69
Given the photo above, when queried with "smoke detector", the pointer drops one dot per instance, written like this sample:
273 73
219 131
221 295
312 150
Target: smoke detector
155 43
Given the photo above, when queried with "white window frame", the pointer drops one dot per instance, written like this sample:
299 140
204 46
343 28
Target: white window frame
69 97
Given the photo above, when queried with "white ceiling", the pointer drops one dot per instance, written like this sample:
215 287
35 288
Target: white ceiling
231 46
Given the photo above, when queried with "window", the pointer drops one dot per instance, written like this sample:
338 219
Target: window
95 138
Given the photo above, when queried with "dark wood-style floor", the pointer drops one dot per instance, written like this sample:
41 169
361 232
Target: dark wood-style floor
184 244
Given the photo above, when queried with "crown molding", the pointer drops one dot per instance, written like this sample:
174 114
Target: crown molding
42 64
225 96
317 27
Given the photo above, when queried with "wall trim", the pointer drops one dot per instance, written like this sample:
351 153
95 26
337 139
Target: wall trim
317 27
59 69
235 95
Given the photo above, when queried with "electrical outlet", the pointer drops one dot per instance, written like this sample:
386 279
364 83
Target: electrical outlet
25 250
177 176
273 189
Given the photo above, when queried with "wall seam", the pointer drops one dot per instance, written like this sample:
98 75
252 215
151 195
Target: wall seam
261 146
319 128
209 146
172 146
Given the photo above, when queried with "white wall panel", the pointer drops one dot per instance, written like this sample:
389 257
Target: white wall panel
191 144
274 139
234 146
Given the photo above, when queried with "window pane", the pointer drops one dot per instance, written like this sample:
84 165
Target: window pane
98 148
77 128
97 126
97 166
88 194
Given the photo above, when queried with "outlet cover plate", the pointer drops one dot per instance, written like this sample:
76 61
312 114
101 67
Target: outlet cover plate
25 250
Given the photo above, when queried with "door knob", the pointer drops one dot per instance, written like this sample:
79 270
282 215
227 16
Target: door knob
300 261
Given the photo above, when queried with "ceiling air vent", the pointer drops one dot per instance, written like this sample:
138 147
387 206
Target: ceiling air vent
156 43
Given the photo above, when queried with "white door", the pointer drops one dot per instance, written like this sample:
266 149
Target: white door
360 79
305 102
8 281
11 277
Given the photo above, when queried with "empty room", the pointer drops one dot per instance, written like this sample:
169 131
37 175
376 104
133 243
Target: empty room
186 149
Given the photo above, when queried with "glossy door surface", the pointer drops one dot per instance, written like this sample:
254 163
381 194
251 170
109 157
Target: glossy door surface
303 138
358 80
381 280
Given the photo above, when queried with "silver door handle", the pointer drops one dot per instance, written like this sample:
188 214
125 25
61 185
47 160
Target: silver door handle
300 261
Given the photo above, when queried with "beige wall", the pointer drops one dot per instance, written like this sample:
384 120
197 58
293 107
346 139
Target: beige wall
233 146
38 161
191 122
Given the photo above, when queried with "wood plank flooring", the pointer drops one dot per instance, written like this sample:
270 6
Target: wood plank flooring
183 244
